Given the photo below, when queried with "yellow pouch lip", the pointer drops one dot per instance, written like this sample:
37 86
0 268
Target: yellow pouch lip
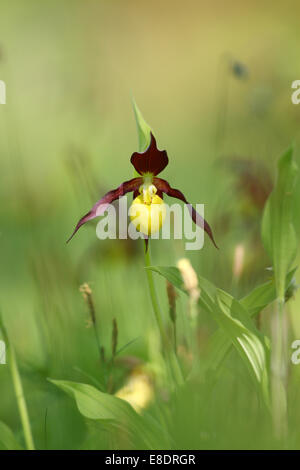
148 218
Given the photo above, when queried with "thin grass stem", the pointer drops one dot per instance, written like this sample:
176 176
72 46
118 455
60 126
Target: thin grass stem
167 348
17 383
18 388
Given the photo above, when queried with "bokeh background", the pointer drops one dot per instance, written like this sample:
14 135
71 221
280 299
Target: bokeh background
213 79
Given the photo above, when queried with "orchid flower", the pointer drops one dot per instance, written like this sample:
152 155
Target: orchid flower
148 192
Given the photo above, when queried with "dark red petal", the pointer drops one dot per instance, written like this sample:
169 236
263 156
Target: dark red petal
100 206
151 161
163 185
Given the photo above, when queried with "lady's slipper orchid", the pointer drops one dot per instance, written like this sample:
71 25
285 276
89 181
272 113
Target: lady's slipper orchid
148 193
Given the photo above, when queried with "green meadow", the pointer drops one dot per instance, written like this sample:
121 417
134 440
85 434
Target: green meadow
107 348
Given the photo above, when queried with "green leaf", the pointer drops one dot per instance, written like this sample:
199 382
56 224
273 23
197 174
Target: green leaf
236 327
263 295
171 273
238 330
7 439
248 341
110 411
142 127
278 233
254 302
94 404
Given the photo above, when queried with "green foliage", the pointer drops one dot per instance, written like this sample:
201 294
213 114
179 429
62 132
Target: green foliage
254 302
236 327
7 438
143 128
61 151
278 232
112 413
263 295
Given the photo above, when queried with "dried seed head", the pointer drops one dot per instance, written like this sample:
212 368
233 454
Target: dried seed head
189 277
114 339
85 290
87 295
102 354
172 300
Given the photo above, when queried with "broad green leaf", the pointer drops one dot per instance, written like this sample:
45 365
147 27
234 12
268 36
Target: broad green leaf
220 344
235 324
278 233
248 341
109 410
142 127
171 273
238 330
263 295
94 404
7 438
254 302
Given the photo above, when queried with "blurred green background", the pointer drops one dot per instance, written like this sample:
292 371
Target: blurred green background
213 79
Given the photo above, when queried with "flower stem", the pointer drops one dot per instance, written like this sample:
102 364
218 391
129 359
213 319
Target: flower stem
167 348
279 399
153 296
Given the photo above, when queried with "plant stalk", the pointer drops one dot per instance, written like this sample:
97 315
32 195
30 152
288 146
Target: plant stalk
20 398
167 348
17 384
279 373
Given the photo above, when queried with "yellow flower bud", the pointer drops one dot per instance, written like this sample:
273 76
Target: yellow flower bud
138 391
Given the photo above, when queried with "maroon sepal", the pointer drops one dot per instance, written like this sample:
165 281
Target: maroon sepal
151 161
163 185
100 206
